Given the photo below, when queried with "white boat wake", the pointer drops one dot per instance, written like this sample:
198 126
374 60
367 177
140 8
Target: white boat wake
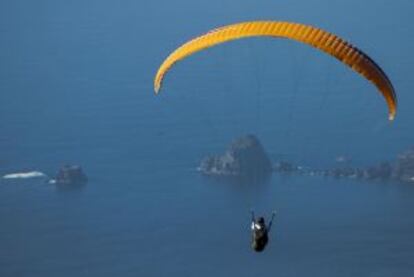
25 175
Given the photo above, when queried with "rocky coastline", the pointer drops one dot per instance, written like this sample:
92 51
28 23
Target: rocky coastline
246 160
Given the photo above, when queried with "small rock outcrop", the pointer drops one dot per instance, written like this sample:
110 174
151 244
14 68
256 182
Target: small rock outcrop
286 167
403 170
380 172
244 160
71 175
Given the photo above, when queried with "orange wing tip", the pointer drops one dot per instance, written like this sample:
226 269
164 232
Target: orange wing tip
156 88
157 84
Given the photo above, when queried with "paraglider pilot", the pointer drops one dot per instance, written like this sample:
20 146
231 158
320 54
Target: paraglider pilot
260 232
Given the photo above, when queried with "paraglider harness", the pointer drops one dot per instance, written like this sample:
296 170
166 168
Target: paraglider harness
260 233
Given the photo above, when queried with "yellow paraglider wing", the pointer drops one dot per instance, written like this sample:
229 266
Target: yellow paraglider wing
320 39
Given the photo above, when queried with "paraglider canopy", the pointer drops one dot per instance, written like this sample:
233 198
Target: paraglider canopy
315 37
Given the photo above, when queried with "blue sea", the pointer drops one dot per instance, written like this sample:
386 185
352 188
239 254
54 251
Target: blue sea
76 87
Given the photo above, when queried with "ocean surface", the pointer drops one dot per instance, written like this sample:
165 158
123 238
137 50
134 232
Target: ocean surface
76 88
